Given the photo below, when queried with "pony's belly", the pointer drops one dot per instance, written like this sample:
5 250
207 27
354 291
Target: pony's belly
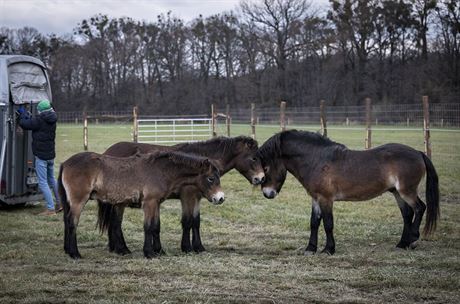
356 195
117 197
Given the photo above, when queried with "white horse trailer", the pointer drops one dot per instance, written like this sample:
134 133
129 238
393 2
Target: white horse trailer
23 82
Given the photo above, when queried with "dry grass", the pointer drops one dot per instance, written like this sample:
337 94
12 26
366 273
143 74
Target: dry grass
254 254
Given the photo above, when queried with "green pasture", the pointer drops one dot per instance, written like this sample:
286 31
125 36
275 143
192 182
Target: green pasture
254 245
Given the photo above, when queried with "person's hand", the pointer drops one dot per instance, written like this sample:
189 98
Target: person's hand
22 110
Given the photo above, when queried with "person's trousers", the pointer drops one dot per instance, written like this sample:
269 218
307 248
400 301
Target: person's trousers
46 181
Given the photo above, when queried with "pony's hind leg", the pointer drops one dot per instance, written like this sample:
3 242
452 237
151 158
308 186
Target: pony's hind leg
408 203
315 221
71 222
117 241
418 209
328 222
415 231
152 244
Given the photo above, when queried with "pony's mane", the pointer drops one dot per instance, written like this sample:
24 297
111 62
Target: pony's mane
183 159
218 144
272 147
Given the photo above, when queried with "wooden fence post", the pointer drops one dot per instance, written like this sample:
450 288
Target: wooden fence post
323 118
253 120
213 120
85 132
426 125
135 125
283 116
227 119
368 142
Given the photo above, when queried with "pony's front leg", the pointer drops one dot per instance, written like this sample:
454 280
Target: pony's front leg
152 244
186 221
196 238
191 221
190 200
315 221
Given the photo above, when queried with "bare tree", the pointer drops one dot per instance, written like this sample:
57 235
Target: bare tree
279 22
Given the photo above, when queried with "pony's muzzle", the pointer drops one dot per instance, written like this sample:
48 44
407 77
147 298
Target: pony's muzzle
269 192
258 179
218 198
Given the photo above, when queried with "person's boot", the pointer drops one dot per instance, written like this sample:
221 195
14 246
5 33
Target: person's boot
48 212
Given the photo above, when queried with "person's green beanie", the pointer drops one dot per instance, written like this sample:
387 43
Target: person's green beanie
43 105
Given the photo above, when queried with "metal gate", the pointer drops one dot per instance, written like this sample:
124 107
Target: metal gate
173 130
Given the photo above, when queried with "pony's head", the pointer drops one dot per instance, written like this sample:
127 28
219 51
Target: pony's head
248 162
202 172
274 168
209 183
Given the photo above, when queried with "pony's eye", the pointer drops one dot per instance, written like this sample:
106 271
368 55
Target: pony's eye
211 179
254 159
266 169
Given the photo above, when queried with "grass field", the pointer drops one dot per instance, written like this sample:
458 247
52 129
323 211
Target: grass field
254 244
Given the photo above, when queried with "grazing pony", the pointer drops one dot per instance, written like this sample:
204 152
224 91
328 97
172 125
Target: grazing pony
146 179
227 153
331 172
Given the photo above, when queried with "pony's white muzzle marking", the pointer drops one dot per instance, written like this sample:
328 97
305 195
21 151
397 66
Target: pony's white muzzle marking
269 192
218 198
258 179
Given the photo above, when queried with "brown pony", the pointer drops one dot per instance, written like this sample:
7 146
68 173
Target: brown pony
331 172
146 179
227 153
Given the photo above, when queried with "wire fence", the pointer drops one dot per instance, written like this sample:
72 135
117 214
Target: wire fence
441 115
264 122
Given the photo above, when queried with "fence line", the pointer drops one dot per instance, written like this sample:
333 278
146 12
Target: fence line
444 117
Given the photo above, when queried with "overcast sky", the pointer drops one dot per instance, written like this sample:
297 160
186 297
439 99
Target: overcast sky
62 16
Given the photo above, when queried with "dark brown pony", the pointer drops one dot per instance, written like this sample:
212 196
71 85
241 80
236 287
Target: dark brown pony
331 172
227 153
146 179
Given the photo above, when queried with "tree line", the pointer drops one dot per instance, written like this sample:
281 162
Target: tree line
264 52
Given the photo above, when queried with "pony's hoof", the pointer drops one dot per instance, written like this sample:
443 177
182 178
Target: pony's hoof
123 251
75 256
328 251
159 253
402 245
413 245
309 253
154 254
186 249
199 249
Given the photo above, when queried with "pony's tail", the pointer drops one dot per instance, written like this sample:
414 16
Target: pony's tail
432 197
62 193
104 216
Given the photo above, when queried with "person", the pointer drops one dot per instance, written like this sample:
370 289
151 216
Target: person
43 127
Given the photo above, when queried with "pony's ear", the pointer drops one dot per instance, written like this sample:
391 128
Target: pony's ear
210 166
251 144
138 152
206 165
150 156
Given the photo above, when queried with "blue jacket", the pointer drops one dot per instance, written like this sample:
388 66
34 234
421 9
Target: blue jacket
43 128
